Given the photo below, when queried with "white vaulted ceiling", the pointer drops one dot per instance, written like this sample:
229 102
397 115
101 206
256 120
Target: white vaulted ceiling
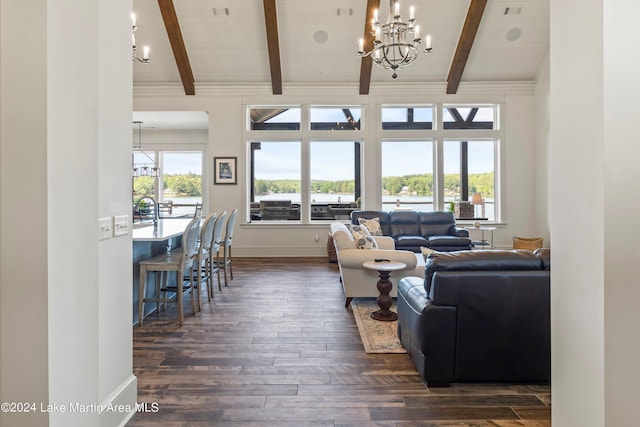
318 41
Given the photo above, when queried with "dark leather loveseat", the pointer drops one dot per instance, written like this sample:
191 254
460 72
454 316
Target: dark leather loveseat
411 229
478 316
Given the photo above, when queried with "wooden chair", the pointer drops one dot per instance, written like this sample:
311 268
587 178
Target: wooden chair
202 258
165 209
231 222
215 248
180 260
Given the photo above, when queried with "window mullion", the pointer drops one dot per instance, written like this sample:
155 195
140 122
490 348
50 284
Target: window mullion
305 181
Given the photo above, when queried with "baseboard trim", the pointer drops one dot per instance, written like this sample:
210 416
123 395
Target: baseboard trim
126 397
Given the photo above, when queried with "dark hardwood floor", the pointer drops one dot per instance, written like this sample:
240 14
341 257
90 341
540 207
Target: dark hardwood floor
278 348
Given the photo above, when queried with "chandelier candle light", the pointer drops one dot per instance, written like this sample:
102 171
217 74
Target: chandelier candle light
391 48
145 50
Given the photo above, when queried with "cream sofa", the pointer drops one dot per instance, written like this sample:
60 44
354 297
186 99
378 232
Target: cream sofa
360 282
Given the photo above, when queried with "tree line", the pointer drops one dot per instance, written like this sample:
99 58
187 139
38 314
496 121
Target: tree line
186 185
190 184
419 185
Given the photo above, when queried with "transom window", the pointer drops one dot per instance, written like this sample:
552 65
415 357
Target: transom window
274 118
482 117
407 118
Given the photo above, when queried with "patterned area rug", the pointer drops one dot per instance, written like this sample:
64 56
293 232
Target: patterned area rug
377 336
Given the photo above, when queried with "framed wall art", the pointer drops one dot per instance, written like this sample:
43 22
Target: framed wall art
224 170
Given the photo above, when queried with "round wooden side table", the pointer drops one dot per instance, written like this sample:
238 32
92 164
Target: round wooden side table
384 269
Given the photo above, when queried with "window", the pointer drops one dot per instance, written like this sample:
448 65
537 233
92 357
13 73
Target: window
274 118
407 175
332 118
179 180
413 177
481 117
310 166
407 118
335 179
275 181
311 174
469 167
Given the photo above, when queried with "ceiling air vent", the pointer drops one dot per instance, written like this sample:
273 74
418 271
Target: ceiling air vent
512 10
220 11
346 11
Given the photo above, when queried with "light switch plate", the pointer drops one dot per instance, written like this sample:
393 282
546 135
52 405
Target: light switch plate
120 225
104 228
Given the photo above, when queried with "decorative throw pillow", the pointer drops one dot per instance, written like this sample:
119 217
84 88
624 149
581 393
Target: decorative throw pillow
373 225
426 252
363 238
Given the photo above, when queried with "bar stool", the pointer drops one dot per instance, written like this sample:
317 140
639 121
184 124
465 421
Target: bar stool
202 259
179 260
215 249
231 222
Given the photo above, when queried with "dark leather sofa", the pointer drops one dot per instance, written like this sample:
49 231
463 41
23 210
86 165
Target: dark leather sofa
411 229
478 316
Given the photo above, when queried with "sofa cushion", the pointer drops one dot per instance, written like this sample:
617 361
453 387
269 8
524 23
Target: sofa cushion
435 241
436 223
404 223
363 238
411 241
373 225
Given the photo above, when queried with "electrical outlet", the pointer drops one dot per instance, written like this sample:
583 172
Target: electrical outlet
120 225
104 228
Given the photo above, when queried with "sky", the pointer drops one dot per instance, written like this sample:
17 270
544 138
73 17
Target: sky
334 160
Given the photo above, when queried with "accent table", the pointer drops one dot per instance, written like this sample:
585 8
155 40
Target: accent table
483 241
384 269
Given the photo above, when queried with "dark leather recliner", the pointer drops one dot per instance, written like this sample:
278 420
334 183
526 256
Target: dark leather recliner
478 316
411 229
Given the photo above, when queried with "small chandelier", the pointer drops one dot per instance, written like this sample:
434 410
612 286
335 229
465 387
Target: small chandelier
145 50
391 48
143 169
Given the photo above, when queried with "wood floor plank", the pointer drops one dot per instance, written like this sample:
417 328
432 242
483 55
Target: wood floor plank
277 348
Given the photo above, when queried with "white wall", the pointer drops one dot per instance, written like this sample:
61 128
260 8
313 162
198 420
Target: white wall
24 307
543 118
594 133
65 301
116 382
225 105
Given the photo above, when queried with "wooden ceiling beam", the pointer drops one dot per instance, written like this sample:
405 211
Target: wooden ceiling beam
177 45
273 44
366 62
467 36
